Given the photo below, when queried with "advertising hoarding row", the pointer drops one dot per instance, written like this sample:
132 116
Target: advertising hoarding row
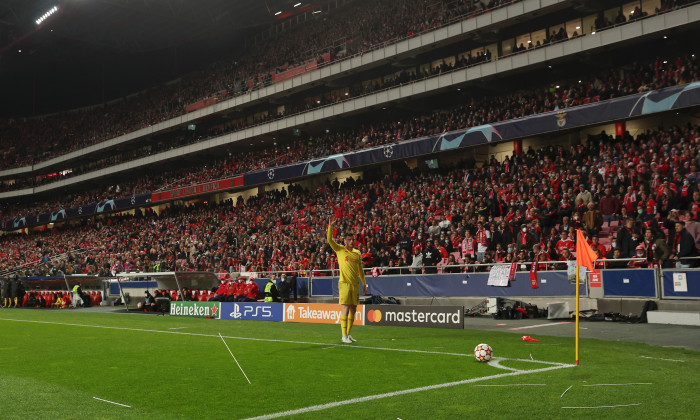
316 313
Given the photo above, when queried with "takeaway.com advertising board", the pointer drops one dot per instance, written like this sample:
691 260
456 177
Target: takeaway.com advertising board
316 313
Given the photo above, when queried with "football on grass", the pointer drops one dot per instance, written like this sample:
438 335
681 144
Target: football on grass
483 352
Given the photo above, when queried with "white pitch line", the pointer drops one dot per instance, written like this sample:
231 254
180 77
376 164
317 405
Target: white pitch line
242 338
403 392
112 402
234 359
659 358
496 362
540 325
634 383
567 390
608 406
177 328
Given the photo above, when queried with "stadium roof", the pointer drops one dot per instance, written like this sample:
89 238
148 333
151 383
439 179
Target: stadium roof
97 49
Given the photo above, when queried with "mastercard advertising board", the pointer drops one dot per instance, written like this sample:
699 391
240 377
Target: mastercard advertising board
415 316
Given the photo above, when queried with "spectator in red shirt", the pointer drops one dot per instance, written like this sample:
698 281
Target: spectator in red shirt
609 206
596 245
564 243
441 249
250 290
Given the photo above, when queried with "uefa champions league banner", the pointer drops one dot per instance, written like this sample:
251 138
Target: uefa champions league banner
598 112
86 210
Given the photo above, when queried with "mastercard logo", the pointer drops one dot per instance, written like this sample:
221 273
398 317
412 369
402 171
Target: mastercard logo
374 315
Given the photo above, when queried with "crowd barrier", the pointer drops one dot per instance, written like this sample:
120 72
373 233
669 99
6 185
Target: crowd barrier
551 283
641 283
615 283
680 284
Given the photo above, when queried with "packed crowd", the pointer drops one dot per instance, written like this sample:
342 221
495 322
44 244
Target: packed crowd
520 208
473 111
359 26
61 133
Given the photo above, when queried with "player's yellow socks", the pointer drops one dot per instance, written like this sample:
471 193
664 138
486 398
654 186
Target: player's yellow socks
16 301
351 320
344 324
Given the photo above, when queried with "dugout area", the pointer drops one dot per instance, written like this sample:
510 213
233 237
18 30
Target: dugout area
92 286
172 282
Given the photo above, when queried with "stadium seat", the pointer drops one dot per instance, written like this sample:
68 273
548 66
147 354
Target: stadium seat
440 265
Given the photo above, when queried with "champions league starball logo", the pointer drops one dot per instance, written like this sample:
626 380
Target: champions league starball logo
389 151
271 174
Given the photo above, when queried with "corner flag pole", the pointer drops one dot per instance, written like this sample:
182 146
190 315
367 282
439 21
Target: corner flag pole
577 296
585 256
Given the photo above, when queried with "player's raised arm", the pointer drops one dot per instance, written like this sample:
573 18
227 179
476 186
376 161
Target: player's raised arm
329 236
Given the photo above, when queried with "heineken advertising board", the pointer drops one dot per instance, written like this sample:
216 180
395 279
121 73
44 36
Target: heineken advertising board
198 309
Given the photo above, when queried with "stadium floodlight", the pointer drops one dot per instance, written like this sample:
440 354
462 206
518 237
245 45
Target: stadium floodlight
297 5
46 15
278 13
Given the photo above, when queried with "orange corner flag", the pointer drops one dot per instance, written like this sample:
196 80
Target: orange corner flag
585 256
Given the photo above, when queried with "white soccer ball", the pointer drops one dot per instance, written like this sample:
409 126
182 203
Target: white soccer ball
483 352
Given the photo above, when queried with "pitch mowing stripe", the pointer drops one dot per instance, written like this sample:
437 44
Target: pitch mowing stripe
397 393
512 385
243 338
539 325
634 383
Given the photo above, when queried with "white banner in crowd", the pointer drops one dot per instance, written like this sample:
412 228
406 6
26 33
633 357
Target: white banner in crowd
498 276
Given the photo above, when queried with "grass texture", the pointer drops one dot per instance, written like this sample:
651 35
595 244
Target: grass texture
56 363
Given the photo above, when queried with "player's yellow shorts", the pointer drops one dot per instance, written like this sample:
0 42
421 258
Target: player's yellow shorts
348 294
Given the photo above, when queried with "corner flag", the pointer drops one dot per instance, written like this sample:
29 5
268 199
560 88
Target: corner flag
585 256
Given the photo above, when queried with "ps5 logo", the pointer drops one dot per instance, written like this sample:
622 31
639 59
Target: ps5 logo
251 311
236 314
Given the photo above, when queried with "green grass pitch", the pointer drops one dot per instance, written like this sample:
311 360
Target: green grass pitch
56 363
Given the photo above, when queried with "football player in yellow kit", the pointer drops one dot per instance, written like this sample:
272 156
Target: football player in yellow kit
350 265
